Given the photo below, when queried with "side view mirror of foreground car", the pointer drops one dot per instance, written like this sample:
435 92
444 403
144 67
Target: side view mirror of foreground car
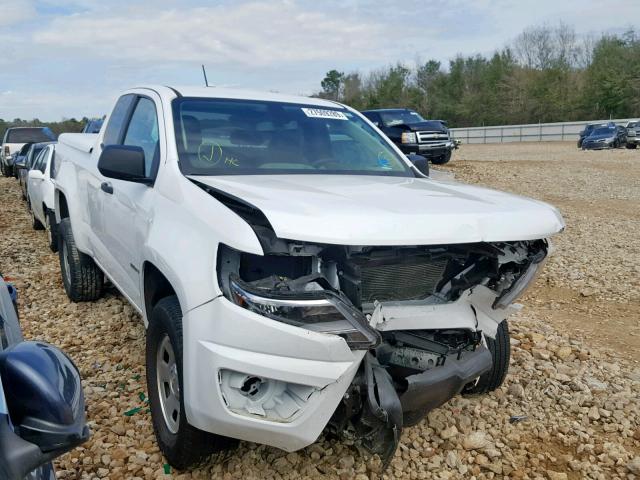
420 162
123 162
44 412
36 175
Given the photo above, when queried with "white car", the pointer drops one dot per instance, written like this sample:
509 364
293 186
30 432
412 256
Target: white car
40 194
295 271
633 134
14 139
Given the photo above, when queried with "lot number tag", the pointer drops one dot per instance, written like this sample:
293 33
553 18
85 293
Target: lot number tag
320 113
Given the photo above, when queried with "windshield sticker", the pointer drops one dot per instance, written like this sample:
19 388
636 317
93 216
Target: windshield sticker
321 113
210 153
383 163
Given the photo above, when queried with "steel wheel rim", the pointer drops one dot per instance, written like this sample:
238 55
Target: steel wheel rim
168 384
65 261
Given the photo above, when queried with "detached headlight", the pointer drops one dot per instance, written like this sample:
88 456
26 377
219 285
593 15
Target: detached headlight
408 137
319 311
521 285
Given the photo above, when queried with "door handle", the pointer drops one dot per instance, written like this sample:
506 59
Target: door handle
106 187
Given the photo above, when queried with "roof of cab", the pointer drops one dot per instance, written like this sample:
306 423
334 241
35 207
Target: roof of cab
172 91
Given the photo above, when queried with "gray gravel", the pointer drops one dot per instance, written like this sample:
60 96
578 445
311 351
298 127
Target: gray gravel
577 402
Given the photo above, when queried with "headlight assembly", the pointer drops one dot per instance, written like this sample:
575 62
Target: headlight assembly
319 311
408 137
520 286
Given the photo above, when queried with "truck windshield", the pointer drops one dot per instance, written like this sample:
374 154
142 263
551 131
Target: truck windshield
29 135
250 137
400 117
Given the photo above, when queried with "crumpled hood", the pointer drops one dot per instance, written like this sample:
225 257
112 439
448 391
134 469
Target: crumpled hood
377 210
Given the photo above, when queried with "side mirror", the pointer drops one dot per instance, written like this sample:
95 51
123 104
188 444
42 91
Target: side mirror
45 405
123 162
36 175
420 162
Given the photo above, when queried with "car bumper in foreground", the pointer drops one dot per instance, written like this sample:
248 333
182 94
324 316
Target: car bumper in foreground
298 378
307 374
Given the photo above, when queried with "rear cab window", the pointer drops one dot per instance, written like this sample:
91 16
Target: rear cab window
29 135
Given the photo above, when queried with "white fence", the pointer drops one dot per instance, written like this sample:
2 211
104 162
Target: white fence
537 132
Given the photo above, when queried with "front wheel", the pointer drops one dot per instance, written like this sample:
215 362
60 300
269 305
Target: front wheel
82 278
632 146
442 159
182 444
500 348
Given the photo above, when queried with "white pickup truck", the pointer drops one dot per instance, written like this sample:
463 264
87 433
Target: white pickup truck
295 271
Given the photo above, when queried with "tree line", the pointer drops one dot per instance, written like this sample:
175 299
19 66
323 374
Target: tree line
547 74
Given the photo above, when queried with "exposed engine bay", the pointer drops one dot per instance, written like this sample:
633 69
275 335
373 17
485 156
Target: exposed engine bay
379 299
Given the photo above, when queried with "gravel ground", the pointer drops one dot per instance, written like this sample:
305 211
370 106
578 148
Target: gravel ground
574 372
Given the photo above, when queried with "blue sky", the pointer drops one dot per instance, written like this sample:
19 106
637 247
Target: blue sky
70 58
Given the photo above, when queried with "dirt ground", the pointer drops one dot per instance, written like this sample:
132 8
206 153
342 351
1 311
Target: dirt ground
592 284
574 371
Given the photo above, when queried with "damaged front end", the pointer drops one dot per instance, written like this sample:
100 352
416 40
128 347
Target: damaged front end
421 313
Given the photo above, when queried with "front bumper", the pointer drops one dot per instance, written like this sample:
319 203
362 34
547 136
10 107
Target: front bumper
220 336
596 146
427 149
432 388
633 140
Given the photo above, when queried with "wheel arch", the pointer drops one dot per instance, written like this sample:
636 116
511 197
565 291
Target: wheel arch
156 285
61 205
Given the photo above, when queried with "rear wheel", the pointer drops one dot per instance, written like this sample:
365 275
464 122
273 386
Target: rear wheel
442 159
182 444
52 230
35 223
500 348
82 279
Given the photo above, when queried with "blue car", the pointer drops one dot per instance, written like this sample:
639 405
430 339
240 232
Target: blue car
41 400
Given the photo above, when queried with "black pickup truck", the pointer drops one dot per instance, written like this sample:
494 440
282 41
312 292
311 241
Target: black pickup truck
413 134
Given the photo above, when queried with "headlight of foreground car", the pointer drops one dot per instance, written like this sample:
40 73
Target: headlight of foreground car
320 311
520 286
408 137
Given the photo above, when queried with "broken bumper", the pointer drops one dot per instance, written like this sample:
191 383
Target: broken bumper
431 389
307 375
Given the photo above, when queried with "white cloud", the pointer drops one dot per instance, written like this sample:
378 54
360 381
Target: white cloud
248 34
13 12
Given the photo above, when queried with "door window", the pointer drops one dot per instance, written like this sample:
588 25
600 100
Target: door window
40 162
113 132
143 132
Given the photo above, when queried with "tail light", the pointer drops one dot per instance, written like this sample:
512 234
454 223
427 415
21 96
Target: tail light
7 152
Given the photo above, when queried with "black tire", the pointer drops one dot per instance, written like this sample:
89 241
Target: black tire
632 146
35 223
188 446
442 159
500 349
82 279
52 230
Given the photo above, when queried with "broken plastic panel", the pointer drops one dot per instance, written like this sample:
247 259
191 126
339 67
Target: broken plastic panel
269 399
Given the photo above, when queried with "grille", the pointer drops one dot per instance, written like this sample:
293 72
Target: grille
412 280
424 137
